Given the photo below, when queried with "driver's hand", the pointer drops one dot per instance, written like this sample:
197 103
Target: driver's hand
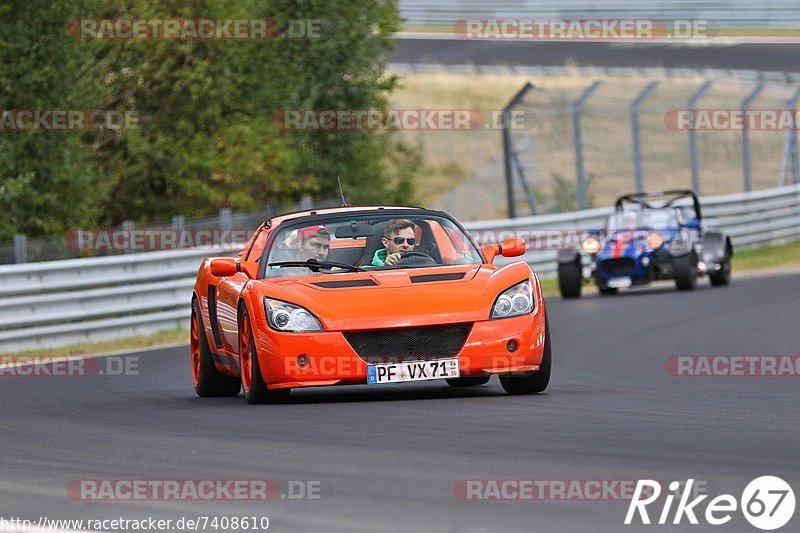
392 259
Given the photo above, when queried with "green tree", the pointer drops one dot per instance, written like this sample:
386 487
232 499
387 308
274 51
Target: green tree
47 182
206 136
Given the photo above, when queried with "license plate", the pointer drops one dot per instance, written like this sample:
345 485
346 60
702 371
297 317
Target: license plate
616 283
412 371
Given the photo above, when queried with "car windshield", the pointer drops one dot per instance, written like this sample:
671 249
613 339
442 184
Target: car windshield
645 218
342 243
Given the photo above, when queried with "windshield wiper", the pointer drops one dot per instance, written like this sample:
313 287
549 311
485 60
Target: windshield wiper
315 265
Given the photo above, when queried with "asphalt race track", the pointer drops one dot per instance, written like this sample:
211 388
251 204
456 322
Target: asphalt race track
387 457
716 55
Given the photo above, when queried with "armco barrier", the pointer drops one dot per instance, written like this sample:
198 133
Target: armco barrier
60 303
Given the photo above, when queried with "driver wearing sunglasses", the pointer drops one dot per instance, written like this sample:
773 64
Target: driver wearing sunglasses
398 237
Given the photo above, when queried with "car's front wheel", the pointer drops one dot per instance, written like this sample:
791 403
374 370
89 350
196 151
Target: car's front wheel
255 390
685 270
532 382
722 277
208 381
569 279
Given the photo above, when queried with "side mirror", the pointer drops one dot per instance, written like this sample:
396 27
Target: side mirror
513 247
223 267
510 248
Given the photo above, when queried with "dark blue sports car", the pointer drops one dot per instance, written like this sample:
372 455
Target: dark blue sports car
646 240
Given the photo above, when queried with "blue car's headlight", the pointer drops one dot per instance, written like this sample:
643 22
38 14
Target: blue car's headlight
283 316
655 240
516 301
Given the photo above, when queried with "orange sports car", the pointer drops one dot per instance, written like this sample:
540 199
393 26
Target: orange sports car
366 295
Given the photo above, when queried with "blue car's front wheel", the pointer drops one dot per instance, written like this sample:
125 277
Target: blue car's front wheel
685 268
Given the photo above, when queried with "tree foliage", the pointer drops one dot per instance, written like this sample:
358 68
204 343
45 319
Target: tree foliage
206 138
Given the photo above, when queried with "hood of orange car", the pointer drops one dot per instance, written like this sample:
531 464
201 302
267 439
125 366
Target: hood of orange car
397 298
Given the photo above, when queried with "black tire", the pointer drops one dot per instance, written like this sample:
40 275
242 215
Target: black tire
569 279
532 382
468 382
208 381
722 277
257 393
685 270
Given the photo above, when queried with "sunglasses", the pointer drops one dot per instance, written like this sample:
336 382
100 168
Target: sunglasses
399 240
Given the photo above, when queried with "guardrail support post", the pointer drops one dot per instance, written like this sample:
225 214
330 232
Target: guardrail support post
20 248
701 92
509 168
746 166
637 144
577 109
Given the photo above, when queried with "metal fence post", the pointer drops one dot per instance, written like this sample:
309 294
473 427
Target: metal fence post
178 223
225 219
637 145
701 92
509 168
793 138
127 229
178 227
20 248
746 103
577 109
306 203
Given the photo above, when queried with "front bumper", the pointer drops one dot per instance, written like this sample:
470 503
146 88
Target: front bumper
332 361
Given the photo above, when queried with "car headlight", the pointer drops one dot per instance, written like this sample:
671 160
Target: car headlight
655 241
283 316
591 245
516 301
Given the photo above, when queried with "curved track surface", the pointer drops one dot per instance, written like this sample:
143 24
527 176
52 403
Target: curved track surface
758 56
388 457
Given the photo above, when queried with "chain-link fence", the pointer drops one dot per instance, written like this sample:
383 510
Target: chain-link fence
581 147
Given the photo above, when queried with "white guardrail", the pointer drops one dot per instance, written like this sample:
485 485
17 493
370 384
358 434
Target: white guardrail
60 303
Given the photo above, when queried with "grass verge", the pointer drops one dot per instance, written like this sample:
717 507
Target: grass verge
163 338
785 255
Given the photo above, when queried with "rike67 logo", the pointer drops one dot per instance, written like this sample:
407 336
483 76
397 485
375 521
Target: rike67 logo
767 503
